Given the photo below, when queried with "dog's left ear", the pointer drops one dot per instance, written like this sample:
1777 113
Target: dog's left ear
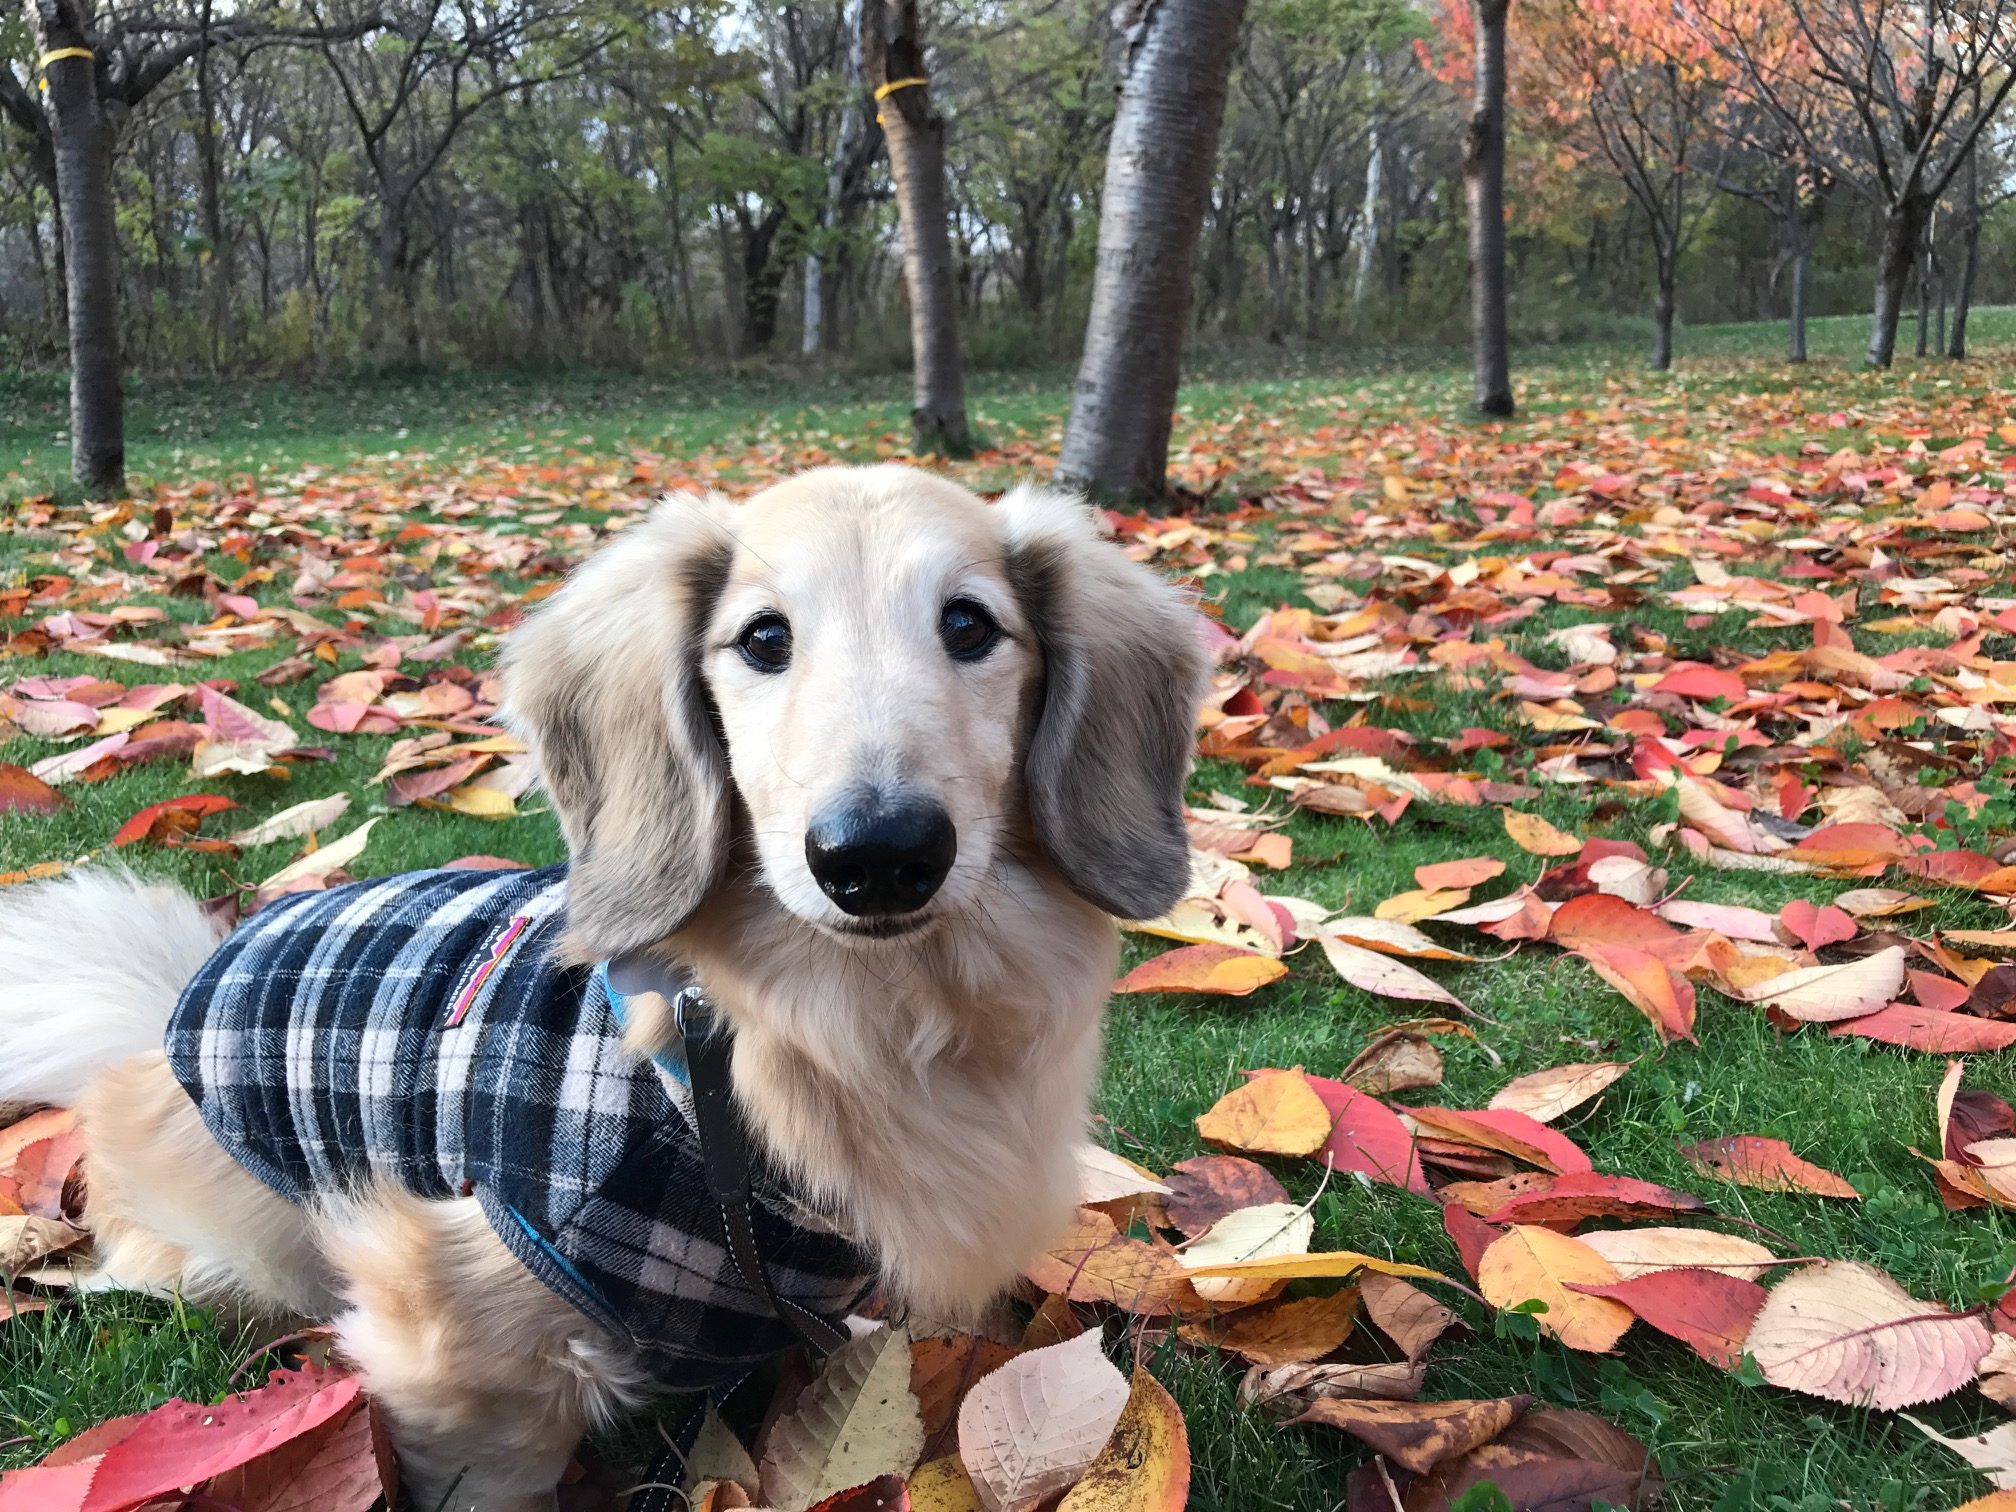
1123 670
603 683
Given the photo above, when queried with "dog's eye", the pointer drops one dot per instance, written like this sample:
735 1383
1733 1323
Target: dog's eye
765 643
968 630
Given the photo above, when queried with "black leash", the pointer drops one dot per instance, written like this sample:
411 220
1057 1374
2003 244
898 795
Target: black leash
724 1153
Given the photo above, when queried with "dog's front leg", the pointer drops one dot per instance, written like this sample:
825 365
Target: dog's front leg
487 1379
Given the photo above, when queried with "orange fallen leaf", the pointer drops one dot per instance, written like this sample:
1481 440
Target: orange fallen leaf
1751 1160
1220 970
1471 871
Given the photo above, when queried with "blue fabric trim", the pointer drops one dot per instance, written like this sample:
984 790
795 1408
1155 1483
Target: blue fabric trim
566 1266
671 1062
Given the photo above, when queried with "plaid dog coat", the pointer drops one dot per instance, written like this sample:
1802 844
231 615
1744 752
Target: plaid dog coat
416 1029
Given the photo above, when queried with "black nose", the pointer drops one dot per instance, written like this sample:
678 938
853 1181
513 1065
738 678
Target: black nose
874 858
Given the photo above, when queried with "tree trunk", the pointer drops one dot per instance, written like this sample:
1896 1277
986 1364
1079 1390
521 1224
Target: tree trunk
1662 322
1924 293
1368 216
1903 224
1158 178
1484 189
1802 269
893 51
82 134
1970 257
814 300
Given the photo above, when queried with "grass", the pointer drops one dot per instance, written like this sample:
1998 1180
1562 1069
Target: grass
1725 1443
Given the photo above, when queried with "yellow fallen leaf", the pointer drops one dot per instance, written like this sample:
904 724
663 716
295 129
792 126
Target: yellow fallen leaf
1421 903
1275 1114
479 802
1529 1264
1536 836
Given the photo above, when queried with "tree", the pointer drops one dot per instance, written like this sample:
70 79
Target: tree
81 134
1484 194
1158 178
894 52
1922 79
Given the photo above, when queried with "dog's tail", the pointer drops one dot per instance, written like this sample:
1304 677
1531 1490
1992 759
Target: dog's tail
90 967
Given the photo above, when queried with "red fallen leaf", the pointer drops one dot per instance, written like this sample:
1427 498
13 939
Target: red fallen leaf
886 1493
1815 927
165 740
1572 879
1702 683
1469 872
1509 1133
1205 1188
1603 919
1956 868
1585 1194
1940 993
1970 1116
1367 1136
1470 1234
1651 986
1706 1310
142 823
1917 1028
1752 1160
338 1467
1220 970
21 791
184 1444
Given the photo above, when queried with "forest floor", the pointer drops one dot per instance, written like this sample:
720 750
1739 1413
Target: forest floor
1709 614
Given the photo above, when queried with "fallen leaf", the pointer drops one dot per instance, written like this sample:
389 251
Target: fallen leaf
942 1485
196 805
1370 971
856 1422
1849 1333
1277 1113
1536 836
1418 1436
1145 1466
1275 1229
1587 1194
942 1371
1037 1424
1647 1251
1388 937
1992 1453
1706 1310
1508 1132
1928 1029
1205 1188
1094 1262
1536 1264
22 792
1825 994
1288 1332
1367 1137
1751 1160
1408 1316
1472 871
1544 1096
1220 970
321 862
26 1240
294 822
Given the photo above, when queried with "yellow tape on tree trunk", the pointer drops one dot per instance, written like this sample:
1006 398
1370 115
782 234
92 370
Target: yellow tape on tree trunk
883 92
65 52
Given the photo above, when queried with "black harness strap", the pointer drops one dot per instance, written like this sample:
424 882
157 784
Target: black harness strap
724 1150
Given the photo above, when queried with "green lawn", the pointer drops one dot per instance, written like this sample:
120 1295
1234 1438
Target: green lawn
409 448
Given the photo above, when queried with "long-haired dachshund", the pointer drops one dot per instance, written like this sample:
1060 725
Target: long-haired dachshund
861 770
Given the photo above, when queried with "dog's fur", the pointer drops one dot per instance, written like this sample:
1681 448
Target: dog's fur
928 1090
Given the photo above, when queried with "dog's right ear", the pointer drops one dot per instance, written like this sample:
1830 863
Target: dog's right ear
603 683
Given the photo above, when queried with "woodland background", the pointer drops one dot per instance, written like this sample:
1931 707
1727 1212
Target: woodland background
538 181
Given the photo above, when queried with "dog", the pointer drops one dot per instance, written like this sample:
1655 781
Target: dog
871 763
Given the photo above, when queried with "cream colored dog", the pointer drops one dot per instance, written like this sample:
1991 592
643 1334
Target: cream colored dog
873 759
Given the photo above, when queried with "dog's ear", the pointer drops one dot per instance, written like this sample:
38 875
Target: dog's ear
603 683
1123 670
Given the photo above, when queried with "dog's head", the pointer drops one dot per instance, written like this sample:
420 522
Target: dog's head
882 682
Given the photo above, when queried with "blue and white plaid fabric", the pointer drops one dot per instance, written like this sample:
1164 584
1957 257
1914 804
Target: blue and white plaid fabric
416 1029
